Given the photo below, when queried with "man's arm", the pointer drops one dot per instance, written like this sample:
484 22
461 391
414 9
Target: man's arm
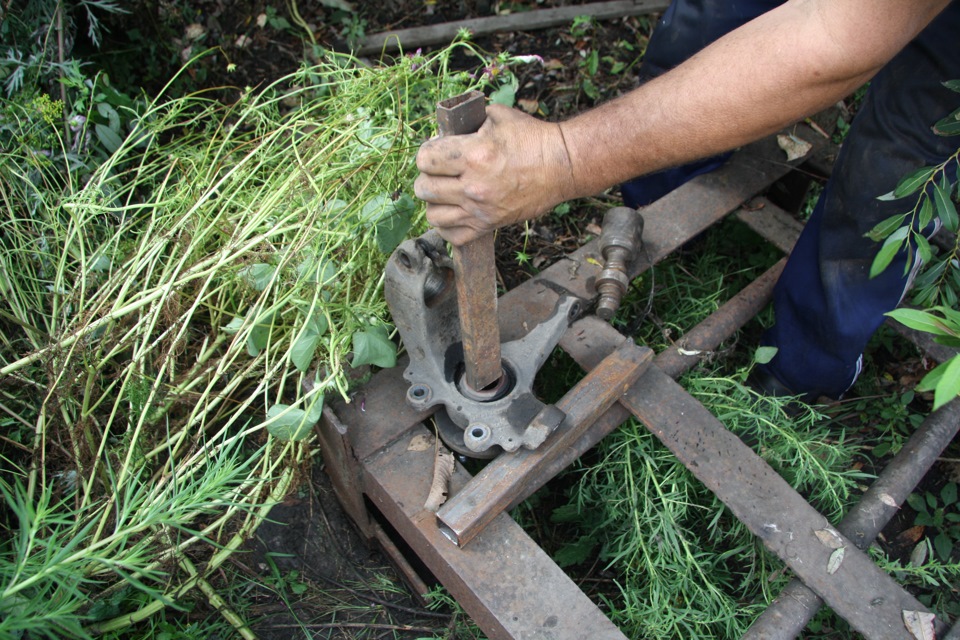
786 64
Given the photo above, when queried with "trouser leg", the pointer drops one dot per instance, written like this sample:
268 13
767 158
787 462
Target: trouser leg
687 26
826 305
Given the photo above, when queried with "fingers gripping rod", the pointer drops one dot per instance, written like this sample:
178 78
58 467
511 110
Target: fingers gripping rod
473 264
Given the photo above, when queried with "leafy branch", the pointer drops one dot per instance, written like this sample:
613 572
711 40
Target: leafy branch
936 289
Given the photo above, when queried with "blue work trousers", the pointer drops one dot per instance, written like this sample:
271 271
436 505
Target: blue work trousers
826 305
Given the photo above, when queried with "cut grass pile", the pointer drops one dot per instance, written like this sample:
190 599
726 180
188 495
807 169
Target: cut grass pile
174 318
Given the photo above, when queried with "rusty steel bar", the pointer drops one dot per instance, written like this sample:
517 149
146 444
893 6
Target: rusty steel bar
797 604
375 429
473 264
509 585
500 484
855 588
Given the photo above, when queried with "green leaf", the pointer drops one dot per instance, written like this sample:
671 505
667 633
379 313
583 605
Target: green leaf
259 335
108 137
883 229
258 275
303 348
919 320
391 219
953 85
575 553
763 355
889 250
292 423
317 271
946 210
233 326
949 385
948 341
923 248
949 493
943 543
926 214
392 229
949 126
916 502
373 346
505 94
912 182
590 89
930 381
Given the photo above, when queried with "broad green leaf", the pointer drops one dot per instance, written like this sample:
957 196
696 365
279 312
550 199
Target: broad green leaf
948 387
946 210
393 228
376 208
883 229
233 326
108 137
916 502
943 543
763 355
373 346
319 271
571 554
258 275
919 320
953 85
303 348
259 335
317 323
912 182
505 94
292 423
949 493
108 112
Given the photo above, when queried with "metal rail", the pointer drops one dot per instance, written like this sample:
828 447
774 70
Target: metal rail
372 457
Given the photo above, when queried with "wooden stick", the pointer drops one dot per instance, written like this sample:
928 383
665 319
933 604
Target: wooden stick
526 21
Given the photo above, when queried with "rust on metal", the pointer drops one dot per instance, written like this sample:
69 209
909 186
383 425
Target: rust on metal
393 476
473 264
856 589
508 585
501 483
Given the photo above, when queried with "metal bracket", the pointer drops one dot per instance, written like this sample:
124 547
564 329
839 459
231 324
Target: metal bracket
419 290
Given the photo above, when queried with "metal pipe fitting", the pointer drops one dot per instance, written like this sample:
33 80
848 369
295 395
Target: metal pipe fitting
619 244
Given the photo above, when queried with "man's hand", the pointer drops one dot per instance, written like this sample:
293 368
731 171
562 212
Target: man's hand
514 168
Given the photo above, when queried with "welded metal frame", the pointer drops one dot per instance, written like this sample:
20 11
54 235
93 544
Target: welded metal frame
503 580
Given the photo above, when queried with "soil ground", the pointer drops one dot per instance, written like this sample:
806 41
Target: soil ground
309 572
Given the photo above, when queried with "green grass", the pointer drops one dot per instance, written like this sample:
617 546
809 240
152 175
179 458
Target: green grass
177 314
682 566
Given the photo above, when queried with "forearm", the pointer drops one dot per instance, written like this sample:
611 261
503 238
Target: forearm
773 71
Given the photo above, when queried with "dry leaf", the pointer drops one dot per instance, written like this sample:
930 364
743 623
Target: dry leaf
888 500
794 147
420 442
443 466
529 106
836 559
919 624
688 352
829 538
919 555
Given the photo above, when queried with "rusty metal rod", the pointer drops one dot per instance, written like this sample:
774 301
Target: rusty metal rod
501 482
797 604
473 264
773 511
